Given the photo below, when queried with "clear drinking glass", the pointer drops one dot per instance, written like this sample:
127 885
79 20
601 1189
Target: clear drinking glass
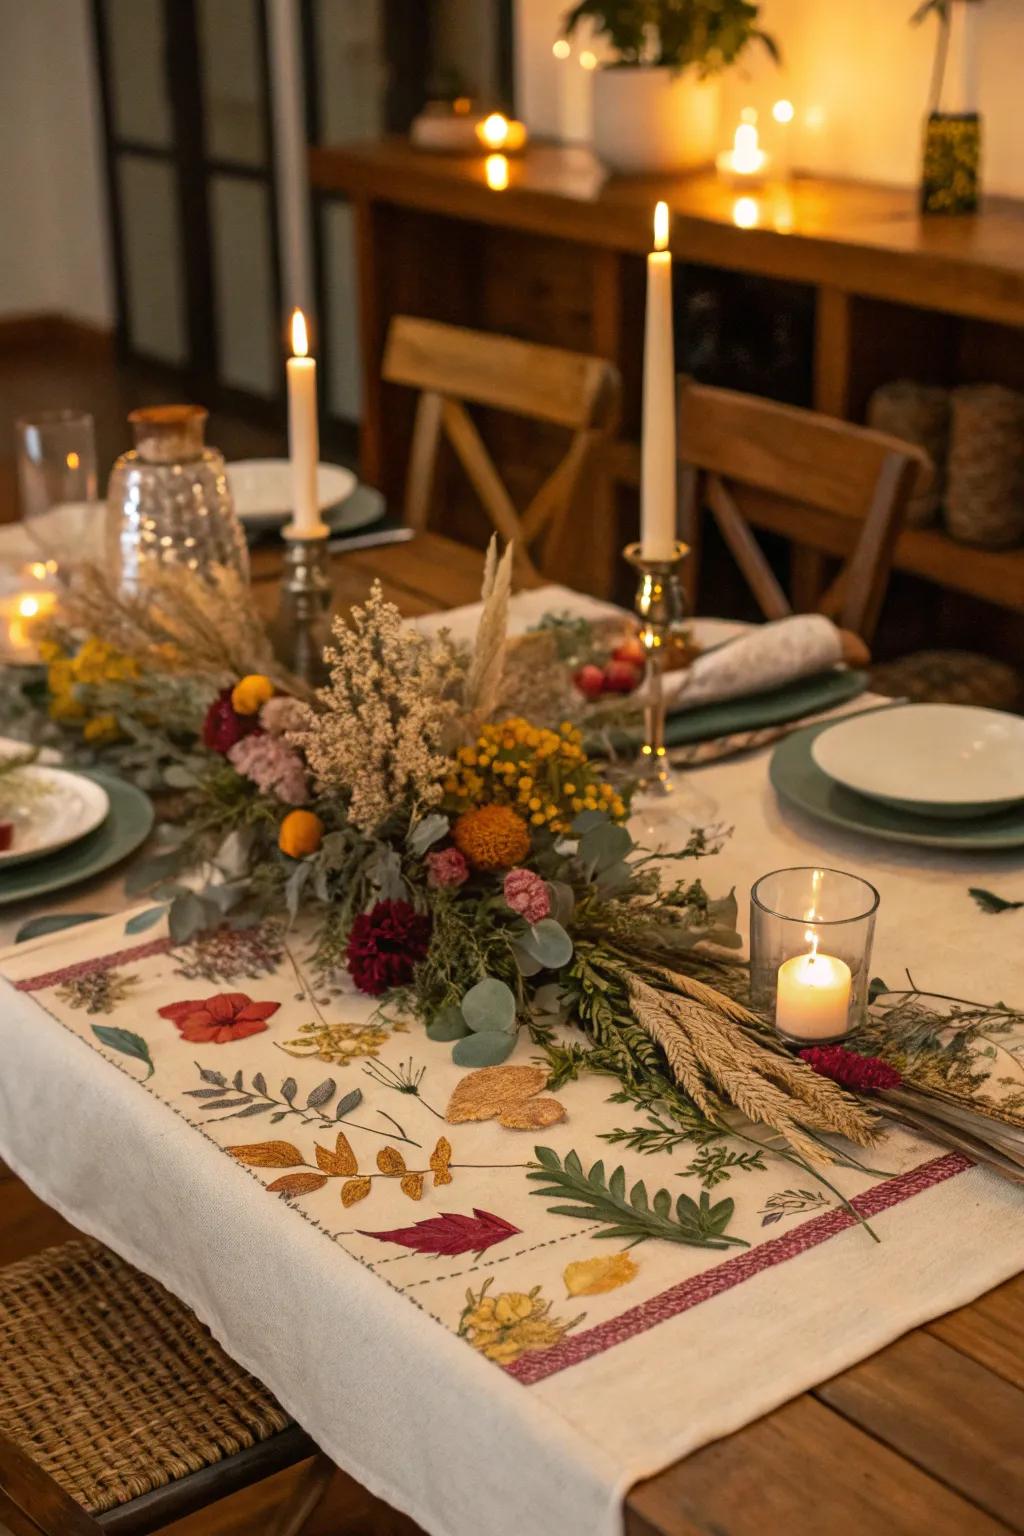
811 931
169 501
57 480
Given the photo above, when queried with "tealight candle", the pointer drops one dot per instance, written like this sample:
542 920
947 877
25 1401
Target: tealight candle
813 996
746 161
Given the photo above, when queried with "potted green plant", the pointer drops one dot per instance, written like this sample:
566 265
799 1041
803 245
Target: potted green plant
656 98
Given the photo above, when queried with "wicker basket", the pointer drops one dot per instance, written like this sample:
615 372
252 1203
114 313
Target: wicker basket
918 414
985 486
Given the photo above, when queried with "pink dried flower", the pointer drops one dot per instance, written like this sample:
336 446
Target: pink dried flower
527 894
864 1074
274 767
446 868
282 714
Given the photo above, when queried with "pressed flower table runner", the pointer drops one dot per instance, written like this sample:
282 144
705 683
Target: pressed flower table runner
464 1322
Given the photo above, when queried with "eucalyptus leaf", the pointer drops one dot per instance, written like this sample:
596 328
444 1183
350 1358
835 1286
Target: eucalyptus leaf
528 965
483 1050
426 832
53 922
143 920
447 1024
294 887
187 917
384 872
563 902
232 857
548 943
604 845
588 819
490 1006
177 776
615 878
145 873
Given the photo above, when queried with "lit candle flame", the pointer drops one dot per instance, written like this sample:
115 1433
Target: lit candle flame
496 172
28 607
300 338
588 59
783 111
561 49
661 226
812 939
745 213
494 130
72 461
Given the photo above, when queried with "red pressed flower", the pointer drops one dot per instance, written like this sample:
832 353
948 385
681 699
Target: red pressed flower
385 945
224 726
217 1020
864 1074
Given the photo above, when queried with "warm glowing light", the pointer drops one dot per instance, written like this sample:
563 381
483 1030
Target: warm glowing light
496 172
494 130
747 154
72 461
783 112
461 106
28 607
300 338
561 48
588 60
745 213
748 115
661 226
40 569
815 118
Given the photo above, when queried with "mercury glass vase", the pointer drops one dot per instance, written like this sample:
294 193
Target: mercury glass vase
169 502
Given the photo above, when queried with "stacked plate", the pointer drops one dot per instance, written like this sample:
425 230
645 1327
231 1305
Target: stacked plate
262 492
57 827
943 775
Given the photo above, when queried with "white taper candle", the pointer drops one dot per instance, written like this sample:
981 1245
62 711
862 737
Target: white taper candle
658 451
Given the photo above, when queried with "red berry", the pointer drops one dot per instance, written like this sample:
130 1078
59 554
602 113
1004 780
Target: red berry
6 835
630 650
590 681
620 677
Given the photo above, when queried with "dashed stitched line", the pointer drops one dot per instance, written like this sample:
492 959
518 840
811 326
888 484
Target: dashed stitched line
500 1258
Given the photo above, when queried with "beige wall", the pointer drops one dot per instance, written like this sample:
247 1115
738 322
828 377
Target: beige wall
53 243
855 65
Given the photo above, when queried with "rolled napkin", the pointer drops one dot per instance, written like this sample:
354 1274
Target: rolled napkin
768 656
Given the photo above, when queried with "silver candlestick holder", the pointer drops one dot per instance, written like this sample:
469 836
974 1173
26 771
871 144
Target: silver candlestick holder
661 608
302 627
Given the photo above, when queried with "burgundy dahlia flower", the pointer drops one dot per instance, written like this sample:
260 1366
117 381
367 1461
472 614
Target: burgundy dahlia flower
224 726
385 946
864 1074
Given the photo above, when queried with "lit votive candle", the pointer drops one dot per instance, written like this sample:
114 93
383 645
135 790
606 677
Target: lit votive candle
813 996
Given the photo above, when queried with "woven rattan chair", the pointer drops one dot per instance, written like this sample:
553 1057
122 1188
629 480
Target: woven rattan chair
118 1410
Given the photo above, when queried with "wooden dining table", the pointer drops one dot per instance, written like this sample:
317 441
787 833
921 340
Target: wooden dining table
924 1438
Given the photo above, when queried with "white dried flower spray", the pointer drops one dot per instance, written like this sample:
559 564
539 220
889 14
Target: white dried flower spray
384 721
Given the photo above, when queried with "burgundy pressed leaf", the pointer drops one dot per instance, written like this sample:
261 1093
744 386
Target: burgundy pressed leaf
450 1233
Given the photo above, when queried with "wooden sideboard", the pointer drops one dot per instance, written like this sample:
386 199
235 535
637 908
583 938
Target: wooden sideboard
557 256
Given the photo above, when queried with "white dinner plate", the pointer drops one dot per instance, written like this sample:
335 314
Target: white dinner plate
262 492
934 759
51 810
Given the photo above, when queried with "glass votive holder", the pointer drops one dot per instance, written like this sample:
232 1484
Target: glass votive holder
811 931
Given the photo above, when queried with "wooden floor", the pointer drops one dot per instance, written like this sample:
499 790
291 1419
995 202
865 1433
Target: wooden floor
925 1438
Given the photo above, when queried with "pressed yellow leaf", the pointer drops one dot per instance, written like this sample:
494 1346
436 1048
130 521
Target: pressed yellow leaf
589 1277
355 1190
412 1185
482 1095
439 1161
532 1115
297 1183
341 1161
267 1154
390 1160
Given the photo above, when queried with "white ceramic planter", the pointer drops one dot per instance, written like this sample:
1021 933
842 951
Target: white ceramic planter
654 119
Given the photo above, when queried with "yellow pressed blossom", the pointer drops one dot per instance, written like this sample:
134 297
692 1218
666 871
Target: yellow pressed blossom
512 1324
546 774
93 663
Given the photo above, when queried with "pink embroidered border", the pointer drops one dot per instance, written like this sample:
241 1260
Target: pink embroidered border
690 1293
93 965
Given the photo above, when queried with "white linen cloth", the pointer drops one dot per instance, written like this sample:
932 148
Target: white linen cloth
738 659
693 1348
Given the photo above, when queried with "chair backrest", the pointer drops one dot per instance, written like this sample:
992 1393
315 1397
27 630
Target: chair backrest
824 484
453 367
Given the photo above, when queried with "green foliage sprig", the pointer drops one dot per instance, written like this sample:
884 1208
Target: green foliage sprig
708 34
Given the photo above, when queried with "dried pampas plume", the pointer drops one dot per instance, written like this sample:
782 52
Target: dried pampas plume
177 622
487 666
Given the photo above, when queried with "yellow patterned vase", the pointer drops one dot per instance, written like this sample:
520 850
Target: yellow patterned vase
952 160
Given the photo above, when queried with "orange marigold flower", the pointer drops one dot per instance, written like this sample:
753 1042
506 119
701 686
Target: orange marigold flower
492 837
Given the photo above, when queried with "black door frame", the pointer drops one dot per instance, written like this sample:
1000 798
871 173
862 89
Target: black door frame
193 169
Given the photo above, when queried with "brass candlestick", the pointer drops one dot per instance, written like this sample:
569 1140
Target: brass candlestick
661 609
301 629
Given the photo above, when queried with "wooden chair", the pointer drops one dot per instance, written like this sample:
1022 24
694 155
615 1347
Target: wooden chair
119 1413
454 368
824 484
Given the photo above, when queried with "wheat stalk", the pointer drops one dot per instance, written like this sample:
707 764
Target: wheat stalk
654 1020
483 682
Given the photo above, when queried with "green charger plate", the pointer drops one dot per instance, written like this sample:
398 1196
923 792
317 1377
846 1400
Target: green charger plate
806 696
799 781
128 824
